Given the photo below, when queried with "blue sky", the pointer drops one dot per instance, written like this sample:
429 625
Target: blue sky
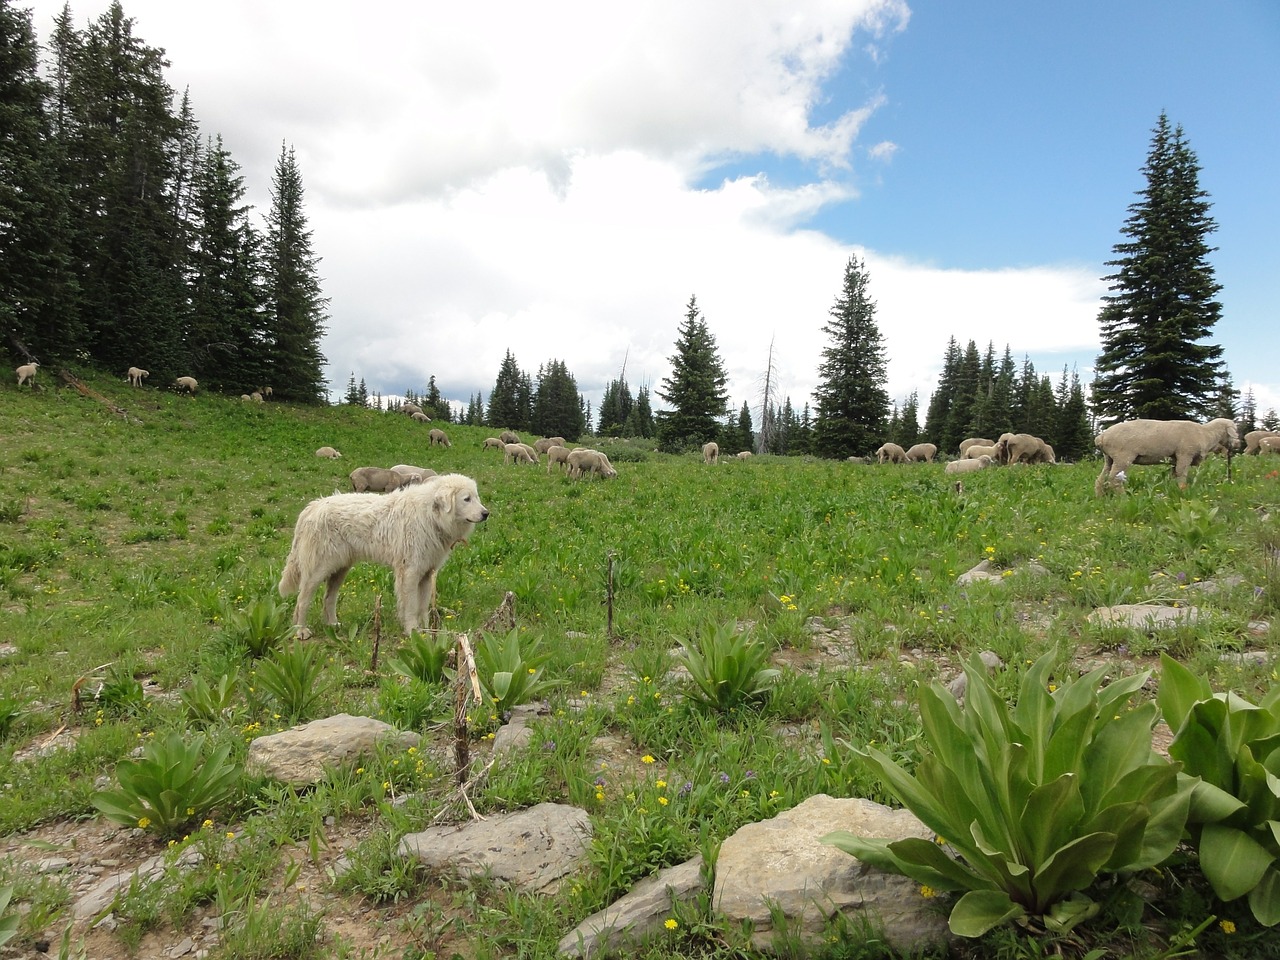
558 179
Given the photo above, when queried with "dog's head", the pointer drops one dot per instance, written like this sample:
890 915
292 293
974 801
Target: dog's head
457 496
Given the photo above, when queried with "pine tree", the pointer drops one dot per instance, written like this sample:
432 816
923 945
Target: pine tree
935 420
1075 429
909 421
296 309
1153 363
1248 412
557 407
695 388
744 434
852 402
960 419
505 409
615 409
640 419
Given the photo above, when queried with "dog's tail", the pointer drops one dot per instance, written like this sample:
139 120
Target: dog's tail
291 576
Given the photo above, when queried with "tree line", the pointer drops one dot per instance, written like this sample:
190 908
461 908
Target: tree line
124 236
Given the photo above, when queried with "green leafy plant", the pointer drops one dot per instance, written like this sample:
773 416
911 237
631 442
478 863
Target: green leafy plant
10 712
8 918
260 627
423 657
210 704
120 692
727 666
511 671
1036 801
292 678
1233 746
172 785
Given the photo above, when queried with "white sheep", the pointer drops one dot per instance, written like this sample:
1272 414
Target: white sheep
509 436
137 375
981 441
493 442
922 453
584 460
410 409
976 450
744 454
557 456
1023 448
329 453
257 397
265 391
411 474
969 464
186 385
546 443
1185 442
518 453
1270 444
375 480
891 453
27 372
419 417
438 437
710 452
1253 440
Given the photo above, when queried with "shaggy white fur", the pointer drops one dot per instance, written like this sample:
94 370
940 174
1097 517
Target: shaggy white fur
412 530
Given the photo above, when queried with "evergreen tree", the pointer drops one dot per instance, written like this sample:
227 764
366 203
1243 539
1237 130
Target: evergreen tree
851 399
296 310
695 388
744 431
640 419
615 408
909 421
960 419
1224 404
1270 421
357 394
1248 412
1075 429
935 420
505 407
557 407
1153 363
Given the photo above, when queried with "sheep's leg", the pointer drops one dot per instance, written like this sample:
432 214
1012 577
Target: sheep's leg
1104 480
332 586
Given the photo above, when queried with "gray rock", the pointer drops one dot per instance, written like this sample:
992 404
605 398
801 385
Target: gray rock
103 893
300 754
531 849
1144 616
636 916
779 867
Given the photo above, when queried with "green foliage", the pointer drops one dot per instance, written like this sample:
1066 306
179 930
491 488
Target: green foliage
207 704
727 666
260 627
11 710
511 671
695 386
173 785
423 656
120 692
1036 800
292 677
8 918
1233 746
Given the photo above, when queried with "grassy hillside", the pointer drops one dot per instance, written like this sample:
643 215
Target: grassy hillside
139 556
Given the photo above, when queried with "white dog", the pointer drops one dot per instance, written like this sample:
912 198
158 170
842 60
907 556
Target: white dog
412 530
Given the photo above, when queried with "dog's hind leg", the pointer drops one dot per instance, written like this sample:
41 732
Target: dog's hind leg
331 588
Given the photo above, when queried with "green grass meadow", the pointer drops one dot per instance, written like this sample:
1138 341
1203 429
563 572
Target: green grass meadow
139 556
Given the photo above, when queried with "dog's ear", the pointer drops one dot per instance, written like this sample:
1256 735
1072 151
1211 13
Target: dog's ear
443 499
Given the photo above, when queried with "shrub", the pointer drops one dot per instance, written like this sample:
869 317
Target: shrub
727 668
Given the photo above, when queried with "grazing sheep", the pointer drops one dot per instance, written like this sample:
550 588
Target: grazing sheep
743 454
891 453
1154 441
413 532
137 375
710 452
186 385
1023 448
411 474
410 409
492 442
256 397
969 464
329 452
979 450
922 453
27 372
1253 440
375 480
584 460
245 397
518 453
265 391
546 443
419 417
1270 444
556 456
438 437
509 436
981 441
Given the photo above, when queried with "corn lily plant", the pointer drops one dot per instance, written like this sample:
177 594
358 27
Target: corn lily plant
1030 803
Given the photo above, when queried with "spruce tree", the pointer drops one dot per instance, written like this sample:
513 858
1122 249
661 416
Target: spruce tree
695 387
935 420
852 402
640 419
505 408
1154 362
296 309
557 407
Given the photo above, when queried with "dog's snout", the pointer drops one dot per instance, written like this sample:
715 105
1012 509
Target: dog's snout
484 515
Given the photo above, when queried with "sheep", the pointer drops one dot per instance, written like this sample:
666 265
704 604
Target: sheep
493 442
532 452
265 391
891 453
710 452
1020 447
969 464
509 436
1253 440
410 474
584 460
979 450
1154 441
518 453
438 437
256 397
556 456
922 452
136 375
744 454
1270 444
27 372
966 444
410 409
245 397
419 417
546 443
186 385
329 452
375 480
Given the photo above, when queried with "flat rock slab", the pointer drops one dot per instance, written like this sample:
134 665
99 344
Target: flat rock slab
1145 616
301 754
636 916
530 849
779 867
